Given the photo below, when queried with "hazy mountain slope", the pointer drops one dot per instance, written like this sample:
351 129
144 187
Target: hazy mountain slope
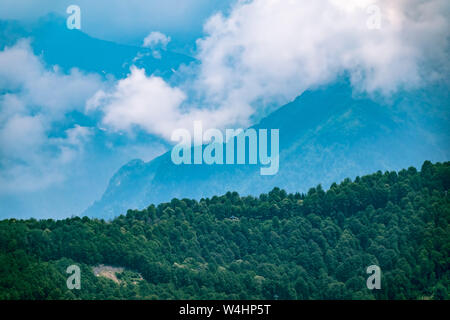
325 135
84 180
57 45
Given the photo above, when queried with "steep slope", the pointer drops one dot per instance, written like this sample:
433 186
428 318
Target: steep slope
326 135
291 246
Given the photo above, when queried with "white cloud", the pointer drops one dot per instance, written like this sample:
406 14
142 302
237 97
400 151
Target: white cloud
156 39
21 135
30 159
33 102
51 91
268 52
277 49
119 20
152 104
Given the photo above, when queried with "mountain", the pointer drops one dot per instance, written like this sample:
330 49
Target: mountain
57 45
326 134
86 176
291 246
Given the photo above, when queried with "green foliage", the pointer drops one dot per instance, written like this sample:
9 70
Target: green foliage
286 246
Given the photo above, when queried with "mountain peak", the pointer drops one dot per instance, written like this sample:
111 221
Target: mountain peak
326 135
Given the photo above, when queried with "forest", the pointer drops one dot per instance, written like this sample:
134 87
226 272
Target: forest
279 245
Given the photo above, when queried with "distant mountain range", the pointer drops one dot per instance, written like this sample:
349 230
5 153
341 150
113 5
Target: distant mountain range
73 48
326 135
54 44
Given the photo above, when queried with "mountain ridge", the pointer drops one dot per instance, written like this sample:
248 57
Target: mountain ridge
73 48
326 135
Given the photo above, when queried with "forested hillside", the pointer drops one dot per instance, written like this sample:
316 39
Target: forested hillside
276 246
326 135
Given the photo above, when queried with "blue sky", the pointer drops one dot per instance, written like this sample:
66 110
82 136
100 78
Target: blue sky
126 21
43 186
64 132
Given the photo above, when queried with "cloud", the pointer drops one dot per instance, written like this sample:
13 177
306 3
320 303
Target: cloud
255 56
278 49
36 140
265 53
50 91
118 20
152 104
30 160
156 39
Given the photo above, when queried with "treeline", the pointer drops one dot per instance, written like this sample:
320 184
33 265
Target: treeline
275 246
